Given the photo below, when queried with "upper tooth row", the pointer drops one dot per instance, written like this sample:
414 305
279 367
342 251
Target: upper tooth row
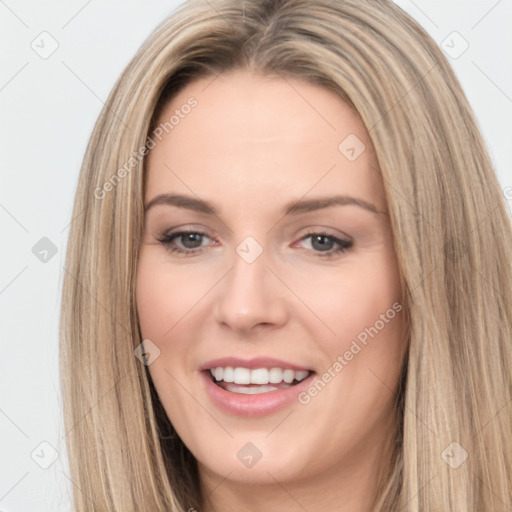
257 376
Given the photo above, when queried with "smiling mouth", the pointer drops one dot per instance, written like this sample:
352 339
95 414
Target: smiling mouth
257 381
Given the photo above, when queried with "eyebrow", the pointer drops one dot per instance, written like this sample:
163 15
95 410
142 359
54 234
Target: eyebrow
292 208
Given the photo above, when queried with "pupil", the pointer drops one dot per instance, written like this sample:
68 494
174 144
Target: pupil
189 237
322 245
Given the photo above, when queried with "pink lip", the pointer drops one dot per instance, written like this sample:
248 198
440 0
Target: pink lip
252 405
252 364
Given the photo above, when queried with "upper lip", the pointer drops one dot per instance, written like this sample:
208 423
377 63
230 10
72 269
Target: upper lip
253 363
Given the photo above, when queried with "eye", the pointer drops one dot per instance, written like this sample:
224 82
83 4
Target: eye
191 241
325 243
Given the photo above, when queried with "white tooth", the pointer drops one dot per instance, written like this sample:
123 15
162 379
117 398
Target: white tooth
252 390
242 390
300 375
242 376
228 374
288 376
259 376
262 389
275 375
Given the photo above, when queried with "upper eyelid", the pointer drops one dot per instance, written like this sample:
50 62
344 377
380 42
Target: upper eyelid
308 230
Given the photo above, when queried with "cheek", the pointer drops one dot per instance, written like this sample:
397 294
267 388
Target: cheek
162 303
354 299
163 296
363 306
163 299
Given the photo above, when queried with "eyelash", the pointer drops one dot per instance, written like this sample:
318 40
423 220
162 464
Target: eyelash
167 239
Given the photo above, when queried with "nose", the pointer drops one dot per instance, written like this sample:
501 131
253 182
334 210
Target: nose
250 297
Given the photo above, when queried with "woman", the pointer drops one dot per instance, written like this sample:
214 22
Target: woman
290 286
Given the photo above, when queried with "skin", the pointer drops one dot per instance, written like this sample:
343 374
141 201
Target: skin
251 145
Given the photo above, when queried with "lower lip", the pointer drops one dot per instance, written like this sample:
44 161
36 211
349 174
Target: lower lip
260 404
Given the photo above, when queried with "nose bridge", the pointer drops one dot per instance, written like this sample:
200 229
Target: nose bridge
250 294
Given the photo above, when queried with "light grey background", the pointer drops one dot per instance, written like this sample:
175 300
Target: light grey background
49 106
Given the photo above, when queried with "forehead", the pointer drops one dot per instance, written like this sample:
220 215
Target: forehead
251 136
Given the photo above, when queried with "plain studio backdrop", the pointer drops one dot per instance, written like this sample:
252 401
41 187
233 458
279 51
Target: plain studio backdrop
59 63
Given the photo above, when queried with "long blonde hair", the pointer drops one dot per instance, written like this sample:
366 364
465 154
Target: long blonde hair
452 237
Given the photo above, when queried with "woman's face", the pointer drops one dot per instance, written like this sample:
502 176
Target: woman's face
293 276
